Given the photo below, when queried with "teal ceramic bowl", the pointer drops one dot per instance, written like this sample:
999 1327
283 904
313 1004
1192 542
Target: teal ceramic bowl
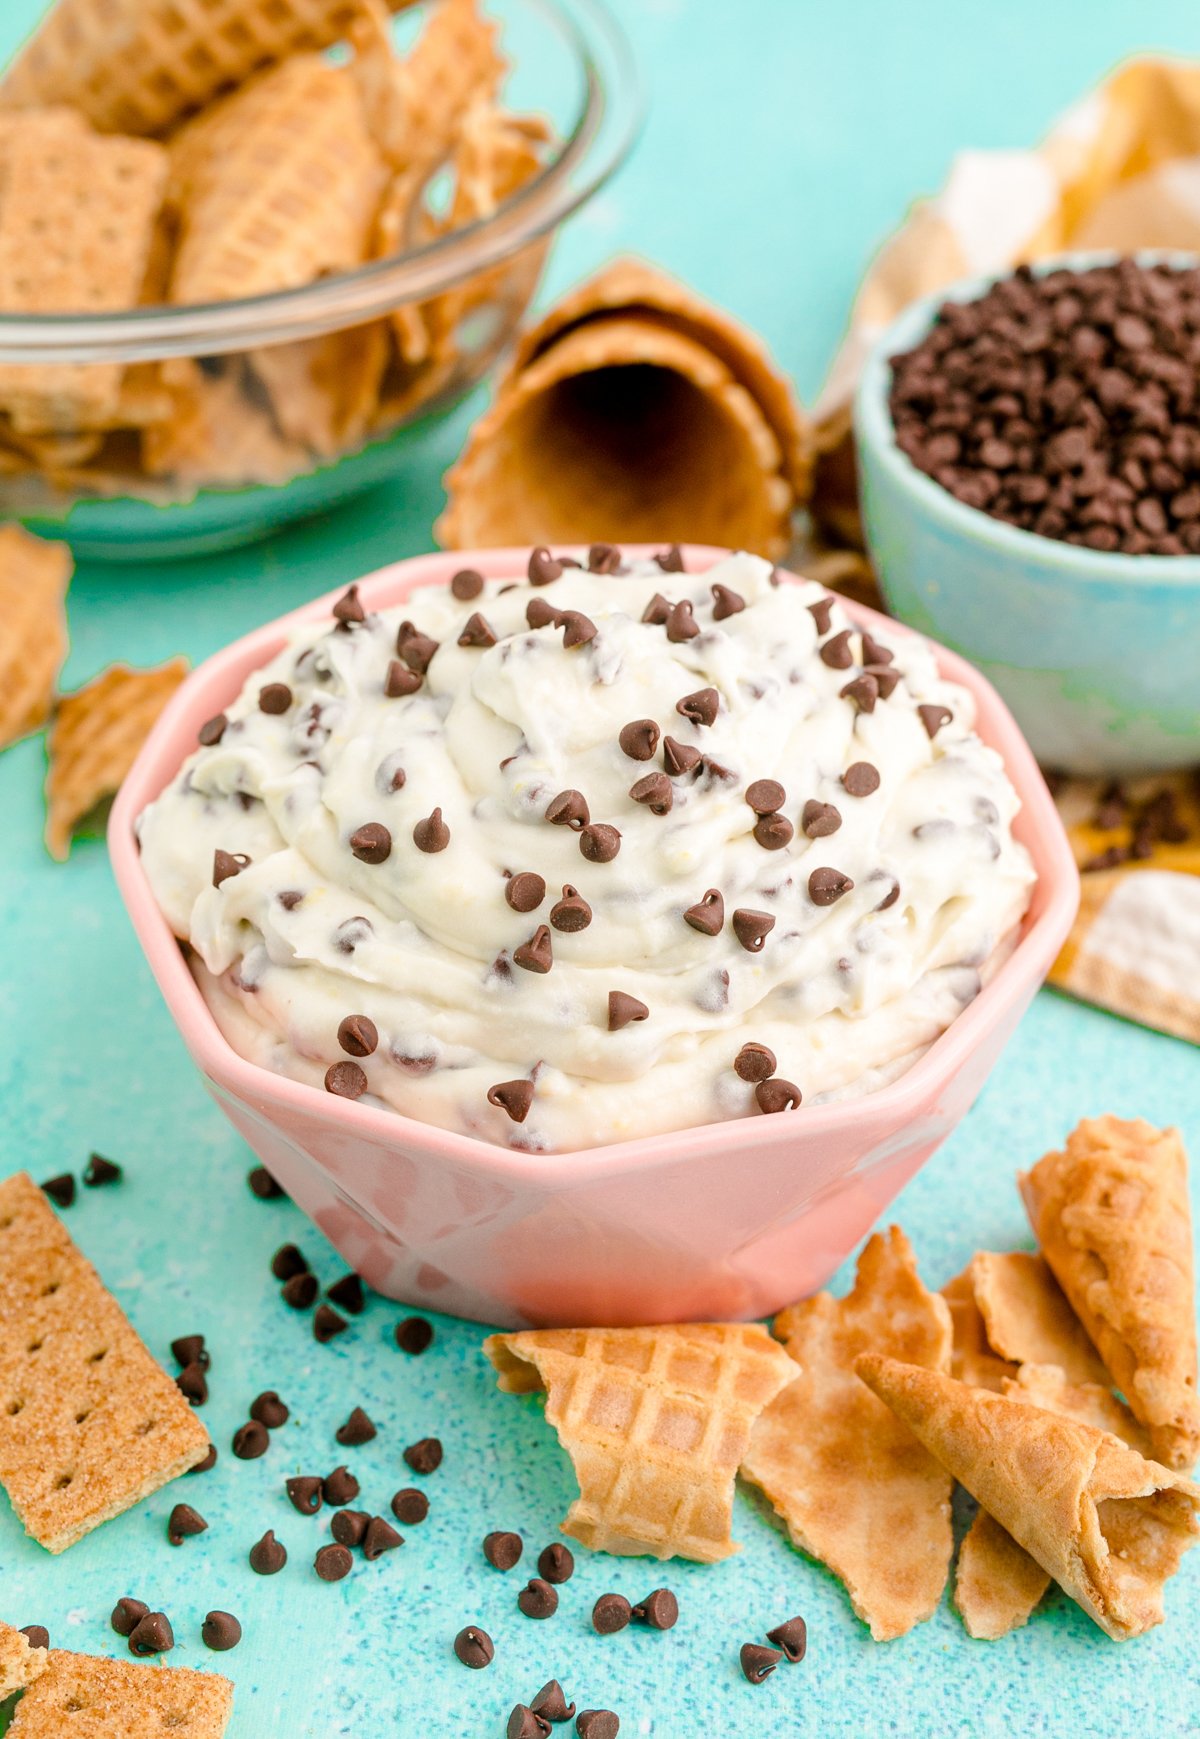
1097 655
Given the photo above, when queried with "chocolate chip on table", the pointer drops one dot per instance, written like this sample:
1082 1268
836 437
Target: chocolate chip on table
348 608
340 1487
474 1647
792 1638
524 1724
538 1599
400 681
537 954
127 1613
327 1324
773 832
192 1383
572 913
262 1184
300 1290
502 1550
410 1506
933 718
477 632
349 1527
36 1635
726 603
752 928
819 820
207 1462
775 1095
288 1261
659 1610
348 1293
700 707
551 1703
414 1334
639 739
274 697
679 758
152 1634
269 1410
332 1563
543 569
861 779
599 843
424 1456
61 1189
612 1612
708 914
597 1724
371 843
220 1631
568 809
655 791
189 1349
358 1035
268 1555
759 1662
227 864
346 1080
525 891
431 834
99 1171
357 1430
250 1441
305 1493
212 730
825 886
379 1538
184 1522
514 1097
555 1562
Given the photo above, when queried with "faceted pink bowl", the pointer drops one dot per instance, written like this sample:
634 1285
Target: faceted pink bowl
729 1220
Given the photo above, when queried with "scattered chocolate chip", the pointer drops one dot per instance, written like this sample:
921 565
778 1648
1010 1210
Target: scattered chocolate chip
568 809
358 1035
825 886
36 1635
379 1538
371 843
773 832
127 1613
681 622
543 569
599 843
597 1724
183 1522
536 955
267 1556
474 1647
679 758
424 1456
332 1563
269 1410
701 708
227 864
250 1441
466 584
776 1095
538 1599
152 1634
410 1506
708 914
572 912
612 1612
873 652
726 603
659 1610
358 1429
192 1384
886 679
540 613
431 834
655 791
792 1638
754 1062
515 1097
287 1261
863 691
836 651
99 1171
657 611
758 1661
861 779
503 1550
555 1562
305 1493
752 928
603 558
274 697
765 796
623 1009
262 1184
414 1334
220 1631
348 609
340 1487
933 718
208 1461
416 649
345 1081
300 1291
890 898
524 1724
819 820
822 613
525 892
551 1703
327 1324
348 1293
577 628
349 1527
400 681
670 560
477 631
212 730
639 739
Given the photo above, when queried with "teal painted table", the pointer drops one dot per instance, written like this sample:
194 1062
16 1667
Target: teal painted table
785 138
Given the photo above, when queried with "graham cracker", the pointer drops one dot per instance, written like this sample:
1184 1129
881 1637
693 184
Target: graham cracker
94 741
853 1487
89 1423
1027 1318
19 1663
88 1698
323 391
656 1422
34 576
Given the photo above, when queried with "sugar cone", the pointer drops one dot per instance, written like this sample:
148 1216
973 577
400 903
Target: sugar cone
1109 1526
1112 1216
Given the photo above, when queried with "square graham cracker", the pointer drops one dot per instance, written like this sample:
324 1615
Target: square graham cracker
86 1697
89 1423
20 1663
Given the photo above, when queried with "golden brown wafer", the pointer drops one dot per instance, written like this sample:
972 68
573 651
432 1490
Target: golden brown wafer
90 1698
415 103
971 1358
89 1423
34 576
217 436
655 1420
19 1663
95 738
323 391
1027 1318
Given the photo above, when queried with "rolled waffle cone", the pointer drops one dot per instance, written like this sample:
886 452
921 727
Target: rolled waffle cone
1113 1219
137 66
276 186
33 582
1109 1526
656 1422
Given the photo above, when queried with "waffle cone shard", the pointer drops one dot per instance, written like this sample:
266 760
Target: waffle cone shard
34 576
1027 1318
656 1422
1109 1526
1112 1216
853 1487
972 1359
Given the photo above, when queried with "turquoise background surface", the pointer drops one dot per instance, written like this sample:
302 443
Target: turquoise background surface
786 137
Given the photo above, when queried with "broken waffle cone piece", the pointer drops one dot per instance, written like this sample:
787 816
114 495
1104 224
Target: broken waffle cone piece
656 1422
94 741
1027 1318
116 1699
622 431
20 1664
972 1359
1112 1217
323 391
1109 1526
34 576
415 103
217 434
853 1487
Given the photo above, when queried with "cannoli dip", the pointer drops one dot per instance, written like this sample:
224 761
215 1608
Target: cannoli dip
614 850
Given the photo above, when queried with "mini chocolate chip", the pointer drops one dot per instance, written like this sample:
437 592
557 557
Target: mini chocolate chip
288 1261
416 649
726 603
359 1428
348 608
262 1184
776 1095
358 1035
754 1062
525 892
890 898
551 1703
765 796
603 558
332 1563
659 1610
503 1550
825 886
657 611
269 1410
540 613
250 1441
192 1384
577 628
414 1334
99 1171
568 809
861 779
207 1461
655 791
536 955
212 730
701 707
305 1493
612 1612
555 1562
670 560
886 679
327 1324
36 1635
348 1294
152 1634
773 832
679 758
752 928
792 1638
819 820
183 1522
863 691
300 1291
538 1599
933 718
821 613
400 681
466 584
424 1456
349 1527
474 1647
515 1097
267 1556
227 864
543 569
274 697
410 1506
371 843
572 912
639 739
681 623
126 1614
477 631
622 1009
220 1631
708 915
597 1724
874 653
290 898
345 1080
758 1661
599 843
836 652
524 1724
340 1487
379 1538
431 834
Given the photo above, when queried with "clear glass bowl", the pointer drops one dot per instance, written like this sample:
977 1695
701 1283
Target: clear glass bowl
244 475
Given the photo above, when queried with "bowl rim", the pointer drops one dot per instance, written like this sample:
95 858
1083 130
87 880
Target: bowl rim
874 429
220 678
600 137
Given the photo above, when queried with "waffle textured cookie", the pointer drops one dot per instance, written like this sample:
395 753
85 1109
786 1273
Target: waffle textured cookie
33 582
847 1478
20 1663
89 1698
656 1422
1112 1216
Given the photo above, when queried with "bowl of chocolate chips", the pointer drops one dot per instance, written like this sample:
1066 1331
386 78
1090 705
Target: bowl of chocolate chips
1029 460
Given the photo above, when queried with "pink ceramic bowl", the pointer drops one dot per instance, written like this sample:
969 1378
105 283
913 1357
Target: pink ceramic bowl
730 1220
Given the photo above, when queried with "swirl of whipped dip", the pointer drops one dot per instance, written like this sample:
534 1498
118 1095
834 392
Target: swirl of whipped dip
617 850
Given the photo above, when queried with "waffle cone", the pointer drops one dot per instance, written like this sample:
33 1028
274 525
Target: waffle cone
33 581
656 1422
972 1359
1027 1318
415 103
1112 1216
1109 1526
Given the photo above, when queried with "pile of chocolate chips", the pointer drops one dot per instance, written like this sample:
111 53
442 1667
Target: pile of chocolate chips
1066 403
